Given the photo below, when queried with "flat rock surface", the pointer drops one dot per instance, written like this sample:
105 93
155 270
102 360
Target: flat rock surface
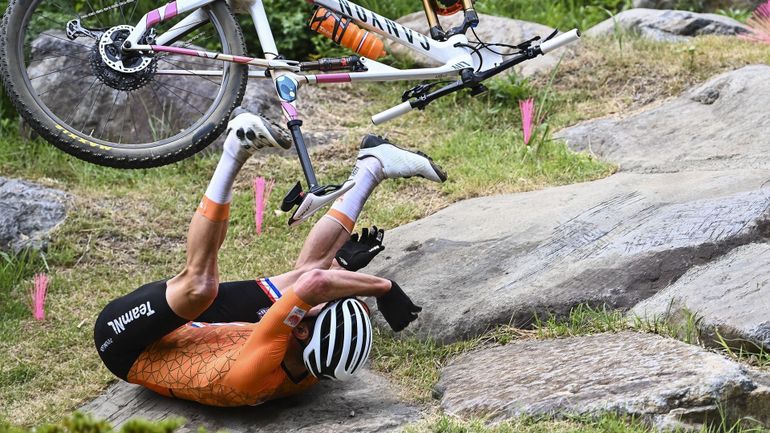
661 380
714 126
491 29
730 295
616 241
28 213
668 25
366 404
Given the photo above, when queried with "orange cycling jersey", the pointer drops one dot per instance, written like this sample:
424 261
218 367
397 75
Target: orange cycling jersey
226 364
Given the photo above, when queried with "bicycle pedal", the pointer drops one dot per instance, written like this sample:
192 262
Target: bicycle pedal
311 202
293 198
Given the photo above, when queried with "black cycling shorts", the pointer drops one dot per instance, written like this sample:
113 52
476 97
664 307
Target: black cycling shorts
129 324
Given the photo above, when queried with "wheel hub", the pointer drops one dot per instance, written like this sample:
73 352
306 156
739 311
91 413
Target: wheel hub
118 69
110 49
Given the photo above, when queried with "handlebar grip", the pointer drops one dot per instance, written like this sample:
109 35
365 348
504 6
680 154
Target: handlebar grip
560 41
398 110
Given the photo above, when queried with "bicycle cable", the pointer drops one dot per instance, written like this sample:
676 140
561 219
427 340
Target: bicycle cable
108 8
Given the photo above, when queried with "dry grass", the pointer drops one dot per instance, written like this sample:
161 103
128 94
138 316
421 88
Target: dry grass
126 228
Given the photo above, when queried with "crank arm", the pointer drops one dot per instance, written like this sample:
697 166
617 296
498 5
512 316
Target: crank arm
312 201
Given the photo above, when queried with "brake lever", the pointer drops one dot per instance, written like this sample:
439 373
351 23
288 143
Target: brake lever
417 91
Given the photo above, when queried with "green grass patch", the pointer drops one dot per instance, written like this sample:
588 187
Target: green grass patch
600 424
126 228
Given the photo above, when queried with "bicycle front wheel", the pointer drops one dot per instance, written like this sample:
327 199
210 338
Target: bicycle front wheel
80 92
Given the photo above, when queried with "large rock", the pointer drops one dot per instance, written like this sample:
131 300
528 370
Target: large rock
366 404
714 126
708 5
490 29
730 296
663 381
616 241
28 213
668 25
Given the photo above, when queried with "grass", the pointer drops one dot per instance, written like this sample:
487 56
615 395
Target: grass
128 227
80 423
601 424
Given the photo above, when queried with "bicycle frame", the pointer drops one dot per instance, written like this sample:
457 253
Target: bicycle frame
466 64
453 58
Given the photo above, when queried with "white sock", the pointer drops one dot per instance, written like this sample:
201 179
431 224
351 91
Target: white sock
220 188
367 174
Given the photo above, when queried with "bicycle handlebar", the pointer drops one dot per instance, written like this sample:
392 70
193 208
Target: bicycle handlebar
392 113
560 41
474 80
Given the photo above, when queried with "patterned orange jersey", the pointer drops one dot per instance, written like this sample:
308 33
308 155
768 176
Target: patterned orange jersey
225 364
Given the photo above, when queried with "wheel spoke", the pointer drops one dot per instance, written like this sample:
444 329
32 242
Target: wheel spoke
93 104
180 98
189 91
67 82
191 72
56 71
109 116
83 47
77 107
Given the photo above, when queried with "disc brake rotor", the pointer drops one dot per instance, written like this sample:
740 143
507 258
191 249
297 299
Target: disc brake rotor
110 50
116 69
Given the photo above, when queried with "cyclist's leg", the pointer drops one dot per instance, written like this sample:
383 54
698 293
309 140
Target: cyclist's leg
194 289
334 229
239 301
127 325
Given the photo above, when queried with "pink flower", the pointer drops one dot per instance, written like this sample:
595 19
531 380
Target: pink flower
760 24
38 296
262 190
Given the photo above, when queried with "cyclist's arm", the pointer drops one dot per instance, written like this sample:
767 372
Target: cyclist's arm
265 349
317 287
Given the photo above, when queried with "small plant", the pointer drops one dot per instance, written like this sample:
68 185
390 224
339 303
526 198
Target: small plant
37 295
262 190
527 108
760 24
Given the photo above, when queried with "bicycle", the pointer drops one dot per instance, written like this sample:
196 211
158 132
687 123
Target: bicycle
140 59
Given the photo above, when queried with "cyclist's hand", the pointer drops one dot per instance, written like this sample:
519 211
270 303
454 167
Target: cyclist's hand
359 251
399 311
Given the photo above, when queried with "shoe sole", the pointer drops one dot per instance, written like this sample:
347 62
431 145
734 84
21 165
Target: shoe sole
279 134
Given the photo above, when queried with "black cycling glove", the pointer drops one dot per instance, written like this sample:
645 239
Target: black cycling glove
398 310
358 252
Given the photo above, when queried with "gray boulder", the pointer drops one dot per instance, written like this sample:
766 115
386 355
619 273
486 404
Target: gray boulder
655 4
730 296
668 25
490 29
659 380
28 214
616 241
714 126
709 5
365 404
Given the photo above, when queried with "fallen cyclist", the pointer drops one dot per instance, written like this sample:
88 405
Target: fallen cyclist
244 343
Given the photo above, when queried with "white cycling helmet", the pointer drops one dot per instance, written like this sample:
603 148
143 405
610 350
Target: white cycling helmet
341 340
